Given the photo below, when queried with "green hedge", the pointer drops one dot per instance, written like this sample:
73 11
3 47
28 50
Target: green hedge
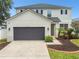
48 39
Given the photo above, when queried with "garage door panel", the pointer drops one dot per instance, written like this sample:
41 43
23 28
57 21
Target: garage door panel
28 33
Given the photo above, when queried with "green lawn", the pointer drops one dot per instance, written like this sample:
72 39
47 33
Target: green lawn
75 41
62 55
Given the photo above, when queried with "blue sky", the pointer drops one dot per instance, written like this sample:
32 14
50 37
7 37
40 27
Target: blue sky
71 3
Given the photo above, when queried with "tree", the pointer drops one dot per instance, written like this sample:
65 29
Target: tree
5 6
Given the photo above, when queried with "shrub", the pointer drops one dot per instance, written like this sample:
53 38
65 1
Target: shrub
48 39
70 31
61 32
66 33
75 36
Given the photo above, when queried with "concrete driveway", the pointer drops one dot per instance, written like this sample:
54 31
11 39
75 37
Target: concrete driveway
25 50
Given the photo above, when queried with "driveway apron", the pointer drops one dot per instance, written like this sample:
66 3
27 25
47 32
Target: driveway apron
25 50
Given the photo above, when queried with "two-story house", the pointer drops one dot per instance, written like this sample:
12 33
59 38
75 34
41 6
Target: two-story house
36 21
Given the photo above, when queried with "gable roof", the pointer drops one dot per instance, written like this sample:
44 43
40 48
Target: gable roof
43 6
18 14
52 19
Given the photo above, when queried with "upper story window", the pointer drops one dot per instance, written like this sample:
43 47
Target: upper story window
61 12
66 11
41 11
36 11
49 13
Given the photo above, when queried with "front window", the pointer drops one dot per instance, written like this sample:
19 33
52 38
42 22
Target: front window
49 13
64 26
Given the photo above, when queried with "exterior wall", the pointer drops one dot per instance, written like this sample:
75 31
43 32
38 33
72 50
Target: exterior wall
55 12
65 19
27 19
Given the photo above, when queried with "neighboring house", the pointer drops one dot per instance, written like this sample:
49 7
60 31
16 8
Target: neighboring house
34 22
75 24
76 19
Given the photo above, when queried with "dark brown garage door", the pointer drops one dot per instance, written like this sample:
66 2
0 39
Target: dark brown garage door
29 33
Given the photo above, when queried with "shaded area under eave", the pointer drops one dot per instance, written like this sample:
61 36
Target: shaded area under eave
54 19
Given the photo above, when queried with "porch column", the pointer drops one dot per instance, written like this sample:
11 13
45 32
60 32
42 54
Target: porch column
57 26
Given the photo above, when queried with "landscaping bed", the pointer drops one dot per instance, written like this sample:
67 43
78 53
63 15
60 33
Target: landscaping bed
67 45
68 50
61 55
63 48
3 43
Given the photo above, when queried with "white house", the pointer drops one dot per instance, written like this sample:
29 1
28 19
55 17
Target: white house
36 21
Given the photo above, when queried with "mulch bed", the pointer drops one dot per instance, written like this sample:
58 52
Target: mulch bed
3 45
67 46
